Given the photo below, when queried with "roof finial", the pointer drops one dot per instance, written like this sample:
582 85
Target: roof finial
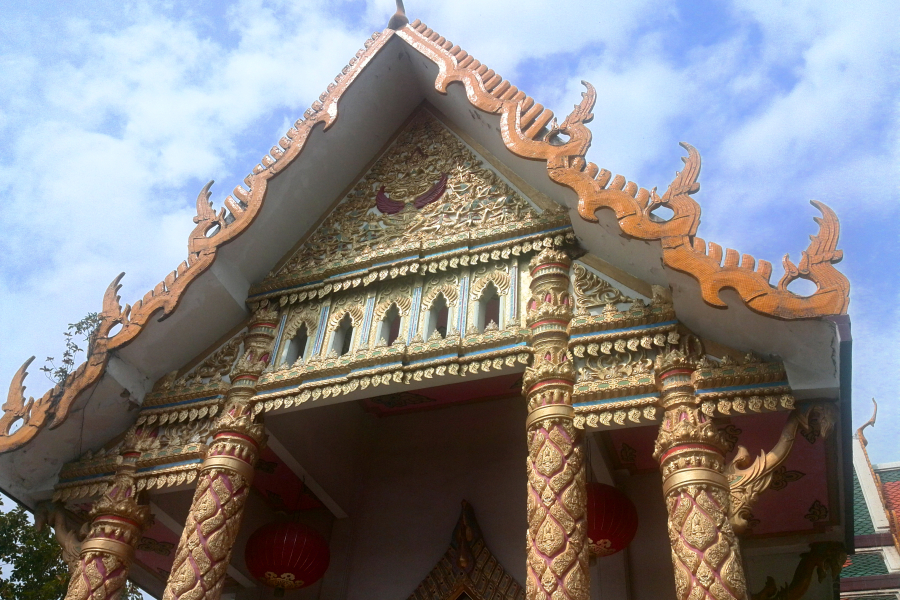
859 432
398 20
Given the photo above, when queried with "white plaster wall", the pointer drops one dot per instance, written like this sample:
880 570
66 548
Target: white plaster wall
418 468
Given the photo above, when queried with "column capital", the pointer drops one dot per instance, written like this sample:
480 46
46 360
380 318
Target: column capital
117 521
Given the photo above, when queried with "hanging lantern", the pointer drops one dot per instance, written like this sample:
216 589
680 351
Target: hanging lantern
287 556
612 519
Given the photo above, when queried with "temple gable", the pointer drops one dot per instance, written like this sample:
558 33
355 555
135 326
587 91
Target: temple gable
428 193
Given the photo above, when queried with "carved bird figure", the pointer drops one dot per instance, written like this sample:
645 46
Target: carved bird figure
389 206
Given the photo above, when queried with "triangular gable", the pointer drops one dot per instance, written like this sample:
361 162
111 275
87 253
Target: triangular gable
468 569
428 194
528 131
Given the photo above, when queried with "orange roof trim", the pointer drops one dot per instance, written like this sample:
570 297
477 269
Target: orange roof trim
528 130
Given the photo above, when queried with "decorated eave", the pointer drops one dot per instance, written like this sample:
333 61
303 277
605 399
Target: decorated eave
718 295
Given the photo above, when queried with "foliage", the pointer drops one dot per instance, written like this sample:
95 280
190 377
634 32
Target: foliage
32 564
86 329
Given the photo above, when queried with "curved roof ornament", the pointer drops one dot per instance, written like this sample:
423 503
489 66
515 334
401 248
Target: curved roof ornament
871 421
525 133
399 19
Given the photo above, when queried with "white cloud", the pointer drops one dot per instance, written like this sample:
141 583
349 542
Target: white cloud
110 140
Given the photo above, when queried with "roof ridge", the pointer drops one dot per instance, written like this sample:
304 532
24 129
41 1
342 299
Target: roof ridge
596 188
211 231
523 120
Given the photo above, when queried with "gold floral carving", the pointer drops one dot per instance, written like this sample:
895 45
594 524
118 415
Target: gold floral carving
107 551
592 291
468 567
306 314
557 516
474 201
691 451
221 361
448 286
68 539
748 478
399 295
530 131
499 276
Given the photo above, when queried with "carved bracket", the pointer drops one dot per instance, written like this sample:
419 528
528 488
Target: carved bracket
748 478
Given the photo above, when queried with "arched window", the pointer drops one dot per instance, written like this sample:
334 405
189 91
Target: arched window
438 316
296 348
389 330
343 336
489 308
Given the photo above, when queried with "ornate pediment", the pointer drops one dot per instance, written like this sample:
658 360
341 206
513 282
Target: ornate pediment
427 193
468 569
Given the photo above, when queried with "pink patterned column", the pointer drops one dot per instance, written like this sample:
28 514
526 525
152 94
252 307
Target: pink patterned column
557 521
214 519
108 550
691 454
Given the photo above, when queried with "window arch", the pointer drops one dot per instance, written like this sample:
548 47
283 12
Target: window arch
342 339
489 312
390 326
438 317
297 348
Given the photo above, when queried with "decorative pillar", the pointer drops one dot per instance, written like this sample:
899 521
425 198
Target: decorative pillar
691 454
557 518
117 521
204 551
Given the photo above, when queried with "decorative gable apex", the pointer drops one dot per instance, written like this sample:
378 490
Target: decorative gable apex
429 193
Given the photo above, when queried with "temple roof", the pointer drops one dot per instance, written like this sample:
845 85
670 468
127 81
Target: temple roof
298 183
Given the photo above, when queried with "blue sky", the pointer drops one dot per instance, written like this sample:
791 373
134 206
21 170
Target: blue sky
114 114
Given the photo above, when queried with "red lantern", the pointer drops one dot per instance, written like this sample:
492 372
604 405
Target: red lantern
287 556
612 519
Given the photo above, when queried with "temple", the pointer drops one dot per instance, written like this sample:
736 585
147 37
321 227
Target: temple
426 330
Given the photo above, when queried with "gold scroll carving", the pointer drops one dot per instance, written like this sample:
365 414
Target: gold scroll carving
691 452
117 521
204 551
557 520
748 478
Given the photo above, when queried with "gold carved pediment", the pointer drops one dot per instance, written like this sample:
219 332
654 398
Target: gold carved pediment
468 570
428 192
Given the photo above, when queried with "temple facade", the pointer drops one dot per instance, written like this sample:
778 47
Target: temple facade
429 351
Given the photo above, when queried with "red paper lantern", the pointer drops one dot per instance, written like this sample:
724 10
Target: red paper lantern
287 556
612 519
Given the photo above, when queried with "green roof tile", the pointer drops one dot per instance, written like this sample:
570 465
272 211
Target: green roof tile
862 520
888 475
864 565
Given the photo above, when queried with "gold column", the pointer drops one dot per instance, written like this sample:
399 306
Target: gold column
691 454
204 551
117 521
557 521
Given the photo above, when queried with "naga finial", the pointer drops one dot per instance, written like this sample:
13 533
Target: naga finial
398 19
871 421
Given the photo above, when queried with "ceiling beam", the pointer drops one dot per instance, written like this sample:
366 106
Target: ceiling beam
304 476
